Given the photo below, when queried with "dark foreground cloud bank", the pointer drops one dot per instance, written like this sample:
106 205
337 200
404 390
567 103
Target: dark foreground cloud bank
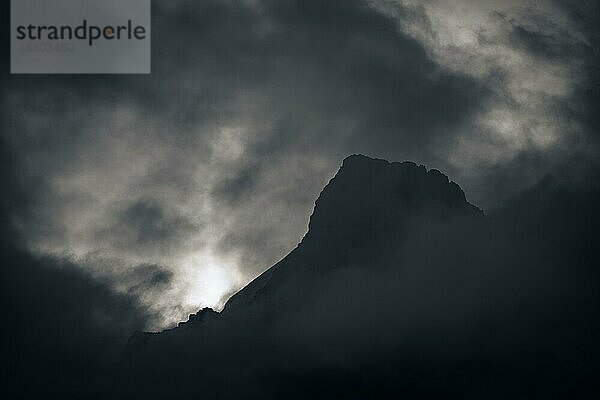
63 331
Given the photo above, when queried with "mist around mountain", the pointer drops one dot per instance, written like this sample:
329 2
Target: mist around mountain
400 289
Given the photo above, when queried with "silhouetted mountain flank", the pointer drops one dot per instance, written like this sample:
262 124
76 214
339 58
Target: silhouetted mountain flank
363 212
400 289
361 216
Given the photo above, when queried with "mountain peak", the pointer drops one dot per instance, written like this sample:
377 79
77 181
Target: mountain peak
431 183
370 201
362 216
358 158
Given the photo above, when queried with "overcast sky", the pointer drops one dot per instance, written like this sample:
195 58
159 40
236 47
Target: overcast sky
201 175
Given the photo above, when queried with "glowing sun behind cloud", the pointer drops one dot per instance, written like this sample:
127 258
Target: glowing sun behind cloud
210 280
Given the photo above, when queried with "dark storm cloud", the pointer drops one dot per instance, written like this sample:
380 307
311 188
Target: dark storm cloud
545 45
575 154
234 189
248 112
142 281
543 36
251 105
63 330
301 84
587 15
149 221
146 225
153 275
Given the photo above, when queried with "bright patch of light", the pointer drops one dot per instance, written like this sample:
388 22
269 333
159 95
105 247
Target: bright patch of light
209 279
